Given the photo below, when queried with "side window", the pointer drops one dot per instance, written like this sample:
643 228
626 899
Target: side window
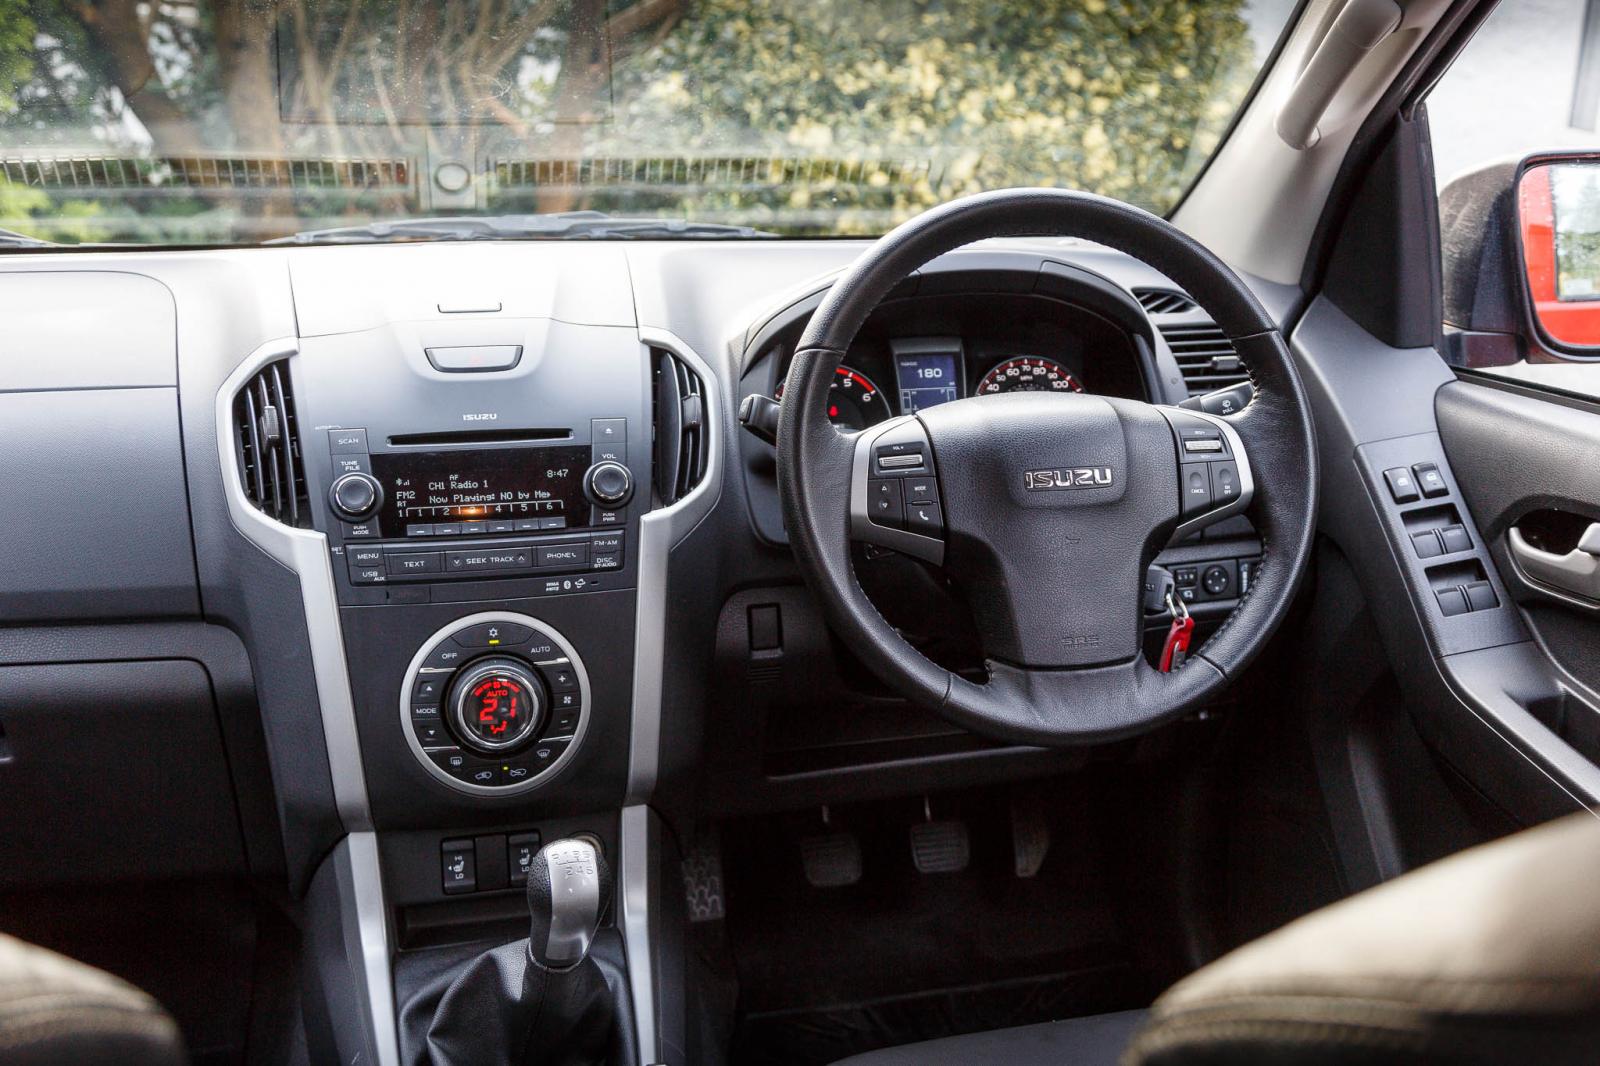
1515 124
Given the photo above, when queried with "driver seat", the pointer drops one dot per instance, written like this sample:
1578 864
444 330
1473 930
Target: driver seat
1489 956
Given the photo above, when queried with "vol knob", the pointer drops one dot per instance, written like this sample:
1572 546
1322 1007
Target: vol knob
355 496
608 484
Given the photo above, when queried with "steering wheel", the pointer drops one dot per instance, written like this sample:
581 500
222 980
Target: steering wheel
1046 509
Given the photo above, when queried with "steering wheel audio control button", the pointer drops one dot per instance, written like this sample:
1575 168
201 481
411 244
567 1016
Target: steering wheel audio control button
885 502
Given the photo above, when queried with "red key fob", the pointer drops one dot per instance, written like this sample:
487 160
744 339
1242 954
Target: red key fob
1176 649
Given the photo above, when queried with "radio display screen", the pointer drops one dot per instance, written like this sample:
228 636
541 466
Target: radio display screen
486 485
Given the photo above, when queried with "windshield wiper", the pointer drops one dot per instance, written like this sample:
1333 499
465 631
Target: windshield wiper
13 239
565 225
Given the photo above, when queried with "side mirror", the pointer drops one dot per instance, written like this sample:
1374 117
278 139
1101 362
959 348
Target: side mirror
1521 257
1558 224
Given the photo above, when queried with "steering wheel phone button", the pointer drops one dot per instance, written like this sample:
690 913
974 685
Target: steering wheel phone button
886 502
925 518
1402 485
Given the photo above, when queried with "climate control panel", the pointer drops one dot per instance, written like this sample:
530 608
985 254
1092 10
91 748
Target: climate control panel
495 704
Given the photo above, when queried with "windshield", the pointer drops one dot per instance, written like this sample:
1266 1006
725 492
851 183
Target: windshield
241 121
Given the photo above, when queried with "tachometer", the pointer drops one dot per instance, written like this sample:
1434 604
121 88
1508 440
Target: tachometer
854 402
1028 373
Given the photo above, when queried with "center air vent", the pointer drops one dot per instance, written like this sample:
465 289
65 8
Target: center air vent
680 428
267 443
1163 301
1205 357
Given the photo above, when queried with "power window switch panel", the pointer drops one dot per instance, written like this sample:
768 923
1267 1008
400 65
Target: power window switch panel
1426 544
458 862
1402 484
1453 602
1481 597
1429 480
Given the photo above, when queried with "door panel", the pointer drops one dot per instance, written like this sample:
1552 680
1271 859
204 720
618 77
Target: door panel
1529 469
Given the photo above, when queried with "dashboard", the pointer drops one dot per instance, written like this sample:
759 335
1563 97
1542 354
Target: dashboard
920 351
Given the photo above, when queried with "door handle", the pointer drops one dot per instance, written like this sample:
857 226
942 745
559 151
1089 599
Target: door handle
1577 572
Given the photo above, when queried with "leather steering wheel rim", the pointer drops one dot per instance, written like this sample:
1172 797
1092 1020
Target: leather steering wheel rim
1020 703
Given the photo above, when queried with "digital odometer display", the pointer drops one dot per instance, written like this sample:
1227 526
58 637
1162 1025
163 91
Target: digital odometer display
486 485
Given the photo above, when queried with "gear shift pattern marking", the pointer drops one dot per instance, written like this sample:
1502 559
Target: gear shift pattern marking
574 899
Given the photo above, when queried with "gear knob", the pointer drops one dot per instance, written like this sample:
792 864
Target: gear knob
569 888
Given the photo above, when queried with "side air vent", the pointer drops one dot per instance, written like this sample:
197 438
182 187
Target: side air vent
680 417
267 441
1163 301
1205 356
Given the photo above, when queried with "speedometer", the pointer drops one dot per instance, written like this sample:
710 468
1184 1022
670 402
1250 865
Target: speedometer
1028 373
854 402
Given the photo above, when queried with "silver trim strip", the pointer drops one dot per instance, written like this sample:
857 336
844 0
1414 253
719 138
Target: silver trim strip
305 551
633 883
659 531
1247 481
545 776
366 881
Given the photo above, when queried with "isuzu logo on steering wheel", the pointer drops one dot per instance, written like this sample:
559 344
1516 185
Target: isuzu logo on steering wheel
1078 477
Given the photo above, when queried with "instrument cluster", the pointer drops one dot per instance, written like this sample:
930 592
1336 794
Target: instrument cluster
895 369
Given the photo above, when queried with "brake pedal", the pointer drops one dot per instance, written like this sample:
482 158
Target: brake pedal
831 860
1030 836
939 847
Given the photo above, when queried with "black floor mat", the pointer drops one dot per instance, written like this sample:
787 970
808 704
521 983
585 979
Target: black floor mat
817 1037
902 956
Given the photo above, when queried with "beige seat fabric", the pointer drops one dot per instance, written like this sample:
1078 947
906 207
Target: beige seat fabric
55 1011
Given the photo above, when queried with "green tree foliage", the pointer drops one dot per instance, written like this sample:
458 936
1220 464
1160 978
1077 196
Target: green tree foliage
1122 97
799 115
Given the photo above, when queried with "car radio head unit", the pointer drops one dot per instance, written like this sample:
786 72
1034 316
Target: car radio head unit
431 488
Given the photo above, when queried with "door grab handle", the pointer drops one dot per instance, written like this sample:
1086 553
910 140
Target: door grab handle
1577 572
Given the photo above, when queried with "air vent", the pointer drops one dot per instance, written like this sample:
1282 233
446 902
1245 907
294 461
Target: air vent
1163 301
268 446
680 415
1205 356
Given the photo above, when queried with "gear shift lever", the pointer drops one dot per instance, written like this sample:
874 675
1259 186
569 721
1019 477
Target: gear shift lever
568 885
543 1001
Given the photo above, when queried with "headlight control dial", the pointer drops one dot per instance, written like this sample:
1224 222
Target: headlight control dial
495 704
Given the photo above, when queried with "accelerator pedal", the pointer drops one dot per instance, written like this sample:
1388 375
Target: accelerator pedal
831 860
702 878
939 847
